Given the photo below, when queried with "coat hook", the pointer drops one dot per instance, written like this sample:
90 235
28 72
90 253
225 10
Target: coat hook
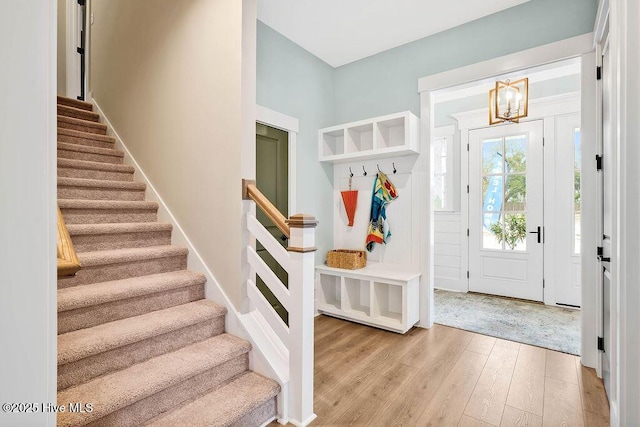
365 172
394 167
350 172
378 166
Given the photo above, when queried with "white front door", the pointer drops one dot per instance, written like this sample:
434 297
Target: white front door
506 210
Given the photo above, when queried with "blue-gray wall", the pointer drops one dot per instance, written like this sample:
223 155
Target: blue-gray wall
292 81
388 82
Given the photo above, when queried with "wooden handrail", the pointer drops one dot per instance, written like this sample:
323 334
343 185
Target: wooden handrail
250 191
68 262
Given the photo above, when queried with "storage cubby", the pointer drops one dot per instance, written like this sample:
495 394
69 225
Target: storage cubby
357 296
387 301
330 291
359 138
376 295
333 143
395 134
391 133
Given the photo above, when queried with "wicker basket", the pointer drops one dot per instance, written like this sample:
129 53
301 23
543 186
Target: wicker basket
345 258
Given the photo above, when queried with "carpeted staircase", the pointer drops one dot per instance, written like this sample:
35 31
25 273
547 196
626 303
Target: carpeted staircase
136 338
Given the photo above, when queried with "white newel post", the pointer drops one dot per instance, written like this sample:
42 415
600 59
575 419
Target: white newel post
301 288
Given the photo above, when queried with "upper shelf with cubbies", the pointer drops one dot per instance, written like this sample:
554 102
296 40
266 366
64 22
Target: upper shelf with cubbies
392 135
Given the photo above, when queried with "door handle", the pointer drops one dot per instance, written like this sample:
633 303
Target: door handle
537 232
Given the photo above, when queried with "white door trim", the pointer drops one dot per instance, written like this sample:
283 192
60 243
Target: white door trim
564 49
291 126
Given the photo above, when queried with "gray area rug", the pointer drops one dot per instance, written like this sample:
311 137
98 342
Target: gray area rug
550 327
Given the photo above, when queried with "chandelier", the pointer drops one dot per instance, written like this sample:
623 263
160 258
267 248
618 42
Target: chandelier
509 101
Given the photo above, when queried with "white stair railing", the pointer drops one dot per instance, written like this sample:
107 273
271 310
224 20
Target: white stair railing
298 260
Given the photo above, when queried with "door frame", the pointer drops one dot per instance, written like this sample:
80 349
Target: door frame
290 125
544 215
547 110
579 46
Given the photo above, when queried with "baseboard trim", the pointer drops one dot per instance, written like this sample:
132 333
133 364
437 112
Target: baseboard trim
265 357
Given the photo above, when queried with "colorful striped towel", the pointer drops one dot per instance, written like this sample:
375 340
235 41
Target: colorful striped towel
384 192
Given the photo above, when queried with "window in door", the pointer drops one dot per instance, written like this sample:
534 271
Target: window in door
440 158
504 193
576 191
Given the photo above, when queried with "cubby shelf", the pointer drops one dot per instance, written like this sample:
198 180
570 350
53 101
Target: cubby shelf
392 135
377 295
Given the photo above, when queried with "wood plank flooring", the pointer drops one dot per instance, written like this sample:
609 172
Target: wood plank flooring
447 377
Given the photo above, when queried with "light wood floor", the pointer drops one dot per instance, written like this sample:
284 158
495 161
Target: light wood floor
447 377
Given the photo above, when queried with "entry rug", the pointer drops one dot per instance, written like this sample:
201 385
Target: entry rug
550 327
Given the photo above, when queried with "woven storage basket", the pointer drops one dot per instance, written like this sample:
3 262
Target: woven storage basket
345 258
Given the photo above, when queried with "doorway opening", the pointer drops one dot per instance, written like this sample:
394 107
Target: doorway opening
272 179
506 204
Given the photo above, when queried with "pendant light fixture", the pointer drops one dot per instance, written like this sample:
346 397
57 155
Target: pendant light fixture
509 101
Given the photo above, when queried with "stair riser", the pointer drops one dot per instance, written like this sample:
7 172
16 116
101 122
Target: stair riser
83 370
85 141
257 417
82 114
101 216
88 317
106 242
173 396
98 130
93 157
75 104
88 193
137 268
94 174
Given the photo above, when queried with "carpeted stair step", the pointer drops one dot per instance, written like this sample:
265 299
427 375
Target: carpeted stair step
107 211
92 154
134 395
82 125
104 237
105 266
75 103
88 306
85 138
247 400
88 353
72 168
98 189
77 113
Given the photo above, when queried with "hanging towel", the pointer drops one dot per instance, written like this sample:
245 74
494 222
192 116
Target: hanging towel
384 192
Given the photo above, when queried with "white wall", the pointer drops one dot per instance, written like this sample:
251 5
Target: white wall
448 252
28 213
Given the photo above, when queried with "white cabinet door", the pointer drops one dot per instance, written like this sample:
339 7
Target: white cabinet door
506 210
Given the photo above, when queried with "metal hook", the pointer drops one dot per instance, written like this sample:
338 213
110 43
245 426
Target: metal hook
378 166
350 172
365 172
394 167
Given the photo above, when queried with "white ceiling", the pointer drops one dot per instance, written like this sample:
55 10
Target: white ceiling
343 31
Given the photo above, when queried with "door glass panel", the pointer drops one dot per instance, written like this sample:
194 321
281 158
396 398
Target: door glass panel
514 233
576 191
504 193
515 148
492 153
515 192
